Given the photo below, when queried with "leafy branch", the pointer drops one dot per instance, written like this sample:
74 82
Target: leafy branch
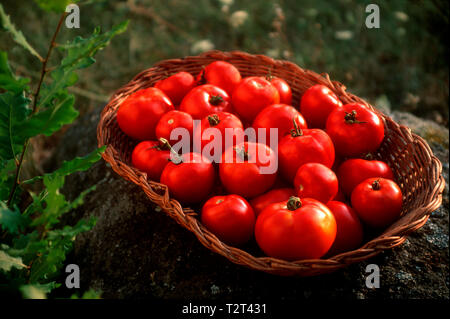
34 243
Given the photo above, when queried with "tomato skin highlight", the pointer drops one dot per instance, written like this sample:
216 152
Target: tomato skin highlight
283 89
176 86
190 181
230 218
279 116
151 158
354 171
349 234
317 103
273 196
204 100
222 74
304 233
312 146
139 113
252 95
377 206
245 177
355 130
172 120
315 180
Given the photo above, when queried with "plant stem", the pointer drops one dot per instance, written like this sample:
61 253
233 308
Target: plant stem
35 108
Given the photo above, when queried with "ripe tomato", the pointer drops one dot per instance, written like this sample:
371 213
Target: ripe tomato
172 120
230 218
349 233
221 74
317 103
138 115
221 121
377 201
176 86
315 180
301 147
283 89
279 116
191 180
151 157
355 130
204 100
249 169
354 171
252 95
340 197
273 196
295 229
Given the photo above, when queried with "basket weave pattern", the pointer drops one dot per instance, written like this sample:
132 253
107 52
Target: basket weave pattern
416 169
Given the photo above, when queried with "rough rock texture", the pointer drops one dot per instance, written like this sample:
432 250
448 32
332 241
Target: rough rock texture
136 251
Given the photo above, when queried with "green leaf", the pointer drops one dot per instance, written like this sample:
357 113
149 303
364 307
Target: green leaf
55 5
7 262
90 294
51 119
7 169
79 54
17 35
77 164
11 220
34 291
8 81
13 110
70 232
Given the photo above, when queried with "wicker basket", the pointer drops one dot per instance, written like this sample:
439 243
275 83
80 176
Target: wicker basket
416 169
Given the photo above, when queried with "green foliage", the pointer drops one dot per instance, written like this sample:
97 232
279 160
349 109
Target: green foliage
35 242
55 5
17 36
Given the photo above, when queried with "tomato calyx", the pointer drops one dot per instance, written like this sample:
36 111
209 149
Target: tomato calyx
350 118
369 156
293 203
164 144
213 119
215 100
296 131
242 153
376 185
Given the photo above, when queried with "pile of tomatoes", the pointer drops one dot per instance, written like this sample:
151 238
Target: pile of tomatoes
307 189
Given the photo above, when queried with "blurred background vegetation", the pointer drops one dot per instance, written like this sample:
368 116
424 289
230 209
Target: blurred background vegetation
403 64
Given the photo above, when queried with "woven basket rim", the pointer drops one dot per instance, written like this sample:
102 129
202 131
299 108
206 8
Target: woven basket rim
186 217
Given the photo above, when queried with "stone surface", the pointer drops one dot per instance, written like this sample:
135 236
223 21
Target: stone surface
136 251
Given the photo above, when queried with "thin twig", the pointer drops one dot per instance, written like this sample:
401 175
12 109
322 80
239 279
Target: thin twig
35 108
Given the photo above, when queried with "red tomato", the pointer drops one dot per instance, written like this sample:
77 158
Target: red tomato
340 197
279 116
252 95
204 100
315 180
249 169
273 196
230 218
138 115
176 86
221 74
304 146
150 157
317 103
355 130
283 89
295 229
349 233
191 180
221 121
354 171
377 201
172 120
